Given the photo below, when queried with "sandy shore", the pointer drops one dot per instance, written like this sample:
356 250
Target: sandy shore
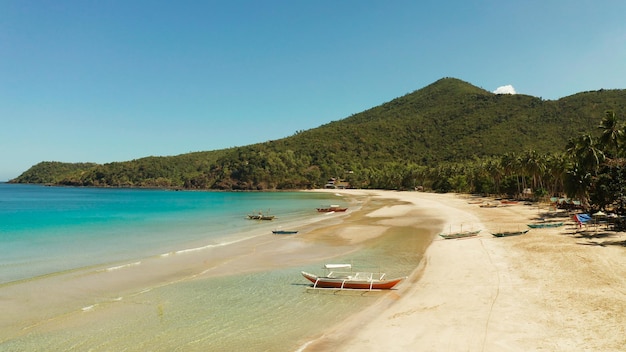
559 289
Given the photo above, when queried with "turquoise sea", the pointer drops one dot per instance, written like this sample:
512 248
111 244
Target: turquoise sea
46 230
57 238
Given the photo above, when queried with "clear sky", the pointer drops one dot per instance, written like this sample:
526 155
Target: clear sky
116 80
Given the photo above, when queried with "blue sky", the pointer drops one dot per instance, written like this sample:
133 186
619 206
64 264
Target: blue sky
106 81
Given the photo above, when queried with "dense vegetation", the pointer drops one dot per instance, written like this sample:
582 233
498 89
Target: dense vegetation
50 172
448 136
591 169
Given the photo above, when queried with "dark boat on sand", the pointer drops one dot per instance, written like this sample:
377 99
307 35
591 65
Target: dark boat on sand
284 232
509 233
332 208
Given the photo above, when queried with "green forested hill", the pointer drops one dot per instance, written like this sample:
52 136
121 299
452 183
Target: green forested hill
447 121
451 120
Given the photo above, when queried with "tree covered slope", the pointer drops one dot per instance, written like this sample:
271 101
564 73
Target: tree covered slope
446 121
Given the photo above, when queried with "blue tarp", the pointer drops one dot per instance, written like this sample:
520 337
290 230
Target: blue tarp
582 218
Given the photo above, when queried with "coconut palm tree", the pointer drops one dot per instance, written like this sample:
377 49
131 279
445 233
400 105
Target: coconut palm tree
612 135
578 183
534 167
556 169
586 158
493 167
586 153
511 164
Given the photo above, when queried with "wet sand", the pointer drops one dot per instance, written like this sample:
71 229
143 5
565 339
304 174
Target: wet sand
552 289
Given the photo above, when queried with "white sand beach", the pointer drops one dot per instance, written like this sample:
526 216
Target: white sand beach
553 289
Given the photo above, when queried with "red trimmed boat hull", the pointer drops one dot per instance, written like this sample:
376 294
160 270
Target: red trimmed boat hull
325 282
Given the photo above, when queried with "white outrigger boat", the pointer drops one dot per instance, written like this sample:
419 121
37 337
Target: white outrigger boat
347 279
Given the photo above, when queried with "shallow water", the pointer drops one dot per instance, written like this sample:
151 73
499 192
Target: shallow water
264 307
44 230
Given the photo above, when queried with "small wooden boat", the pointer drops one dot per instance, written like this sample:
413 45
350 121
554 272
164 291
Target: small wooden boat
351 280
332 208
284 232
462 234
489 205
509 233
541 225
260 216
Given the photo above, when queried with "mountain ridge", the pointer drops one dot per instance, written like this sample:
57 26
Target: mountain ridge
448 120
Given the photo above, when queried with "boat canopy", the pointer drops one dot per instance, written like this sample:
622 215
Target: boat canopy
337 266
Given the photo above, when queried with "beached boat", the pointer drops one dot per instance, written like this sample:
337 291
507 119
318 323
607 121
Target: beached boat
284 232
260 216
461 234
541 225
489 205
509 233
341 276
331 208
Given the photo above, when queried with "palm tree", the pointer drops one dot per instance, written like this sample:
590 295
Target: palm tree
586 158
586 153
578 183
511 164
534 166
612 135
556 169
493 167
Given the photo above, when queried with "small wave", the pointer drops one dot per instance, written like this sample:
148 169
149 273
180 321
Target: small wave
189 250
123 266
195 249
88 308
303 347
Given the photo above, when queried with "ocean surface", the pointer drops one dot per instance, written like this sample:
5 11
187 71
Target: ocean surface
45 230
50 233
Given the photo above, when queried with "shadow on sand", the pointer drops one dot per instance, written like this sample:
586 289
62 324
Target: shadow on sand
600 238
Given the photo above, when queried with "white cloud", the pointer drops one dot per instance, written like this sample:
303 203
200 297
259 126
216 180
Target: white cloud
508 89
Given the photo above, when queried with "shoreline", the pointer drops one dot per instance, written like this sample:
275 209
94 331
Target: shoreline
61 304
554 289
